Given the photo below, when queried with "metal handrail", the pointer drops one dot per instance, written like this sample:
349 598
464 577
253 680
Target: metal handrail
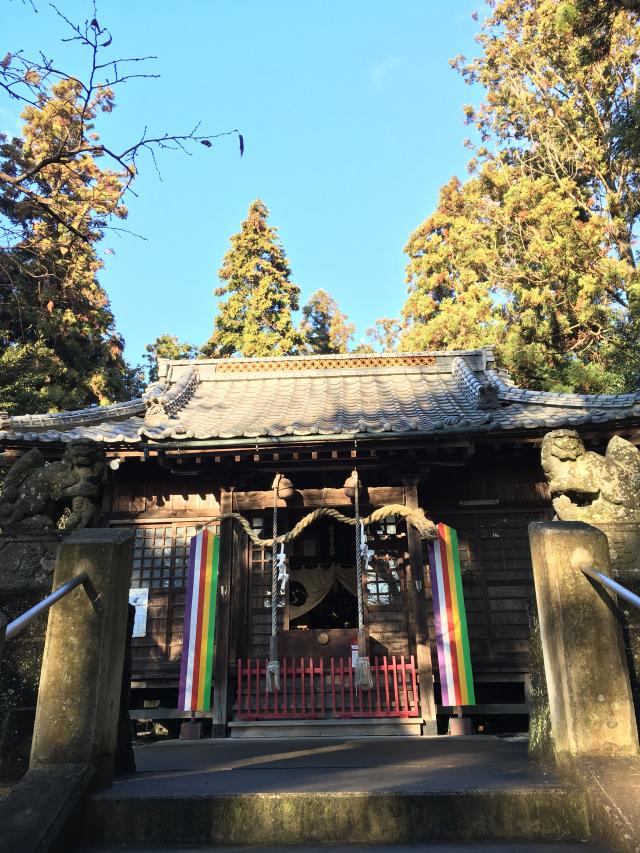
614 586
29 615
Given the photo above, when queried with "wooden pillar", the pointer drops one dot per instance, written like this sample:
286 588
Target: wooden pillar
417 613
221 641
238 597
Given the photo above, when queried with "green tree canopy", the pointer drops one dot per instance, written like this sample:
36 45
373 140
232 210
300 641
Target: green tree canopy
61 187
595 21
508 260
258 296
166 346
535 251
55 318
324 327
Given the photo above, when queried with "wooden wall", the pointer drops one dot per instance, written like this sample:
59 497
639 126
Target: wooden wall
490 498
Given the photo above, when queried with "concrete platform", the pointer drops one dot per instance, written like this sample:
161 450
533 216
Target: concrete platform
395 764
375 792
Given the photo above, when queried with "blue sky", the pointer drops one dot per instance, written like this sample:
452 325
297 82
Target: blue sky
352 121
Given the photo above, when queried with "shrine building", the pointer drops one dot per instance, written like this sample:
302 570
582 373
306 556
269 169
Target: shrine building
446 432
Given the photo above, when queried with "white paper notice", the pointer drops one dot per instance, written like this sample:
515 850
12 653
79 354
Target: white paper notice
140 600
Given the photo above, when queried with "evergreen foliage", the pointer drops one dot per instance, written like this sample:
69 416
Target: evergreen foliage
595 21
167 346
58 345
324 327
56 325
258 296
534 252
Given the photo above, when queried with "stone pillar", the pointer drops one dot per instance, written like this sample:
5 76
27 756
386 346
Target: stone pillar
79 696
624 549
590 702
3 629
27 561
417 614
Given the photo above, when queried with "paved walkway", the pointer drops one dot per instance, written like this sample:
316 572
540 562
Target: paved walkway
396 764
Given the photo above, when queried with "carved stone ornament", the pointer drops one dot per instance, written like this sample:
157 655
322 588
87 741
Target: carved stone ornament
27 561
586 486
35 495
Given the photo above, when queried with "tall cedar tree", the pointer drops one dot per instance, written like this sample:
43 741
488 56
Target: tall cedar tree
255 315
324 327
595 20
535 252
58 345
57 334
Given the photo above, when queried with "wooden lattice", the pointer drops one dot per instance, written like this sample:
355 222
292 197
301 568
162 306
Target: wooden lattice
290 365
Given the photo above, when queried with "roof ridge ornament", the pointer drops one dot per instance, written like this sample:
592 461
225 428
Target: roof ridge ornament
165 401
481 394
342 361
511 393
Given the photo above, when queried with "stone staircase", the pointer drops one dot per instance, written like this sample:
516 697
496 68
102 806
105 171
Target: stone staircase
377 793
537 847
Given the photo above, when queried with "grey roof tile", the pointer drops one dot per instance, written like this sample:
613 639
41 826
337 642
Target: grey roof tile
374 395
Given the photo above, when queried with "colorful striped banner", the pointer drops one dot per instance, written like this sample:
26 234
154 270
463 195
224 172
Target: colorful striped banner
452 637
199 623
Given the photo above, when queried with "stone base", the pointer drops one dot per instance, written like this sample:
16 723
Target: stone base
460 726
323 819
27 561
191 730
16 731
324 728
586 671
624 548
19 681
26 574
540 737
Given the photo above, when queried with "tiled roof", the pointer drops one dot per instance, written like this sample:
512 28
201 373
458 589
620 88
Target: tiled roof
352 395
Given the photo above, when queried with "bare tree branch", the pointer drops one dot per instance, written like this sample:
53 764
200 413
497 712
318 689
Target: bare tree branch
29 81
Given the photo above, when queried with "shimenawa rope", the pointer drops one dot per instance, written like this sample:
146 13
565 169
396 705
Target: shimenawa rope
416 517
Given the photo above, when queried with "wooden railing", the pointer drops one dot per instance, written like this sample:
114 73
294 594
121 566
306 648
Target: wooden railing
313 690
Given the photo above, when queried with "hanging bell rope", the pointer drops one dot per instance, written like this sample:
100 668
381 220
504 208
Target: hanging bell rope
362 677
273 665
416 517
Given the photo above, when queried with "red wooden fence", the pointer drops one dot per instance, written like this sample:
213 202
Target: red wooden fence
314 690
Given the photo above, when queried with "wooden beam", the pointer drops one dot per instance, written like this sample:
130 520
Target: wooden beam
417 615
312 498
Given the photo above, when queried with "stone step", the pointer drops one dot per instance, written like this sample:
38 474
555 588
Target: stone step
554 813
561 847
324 728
